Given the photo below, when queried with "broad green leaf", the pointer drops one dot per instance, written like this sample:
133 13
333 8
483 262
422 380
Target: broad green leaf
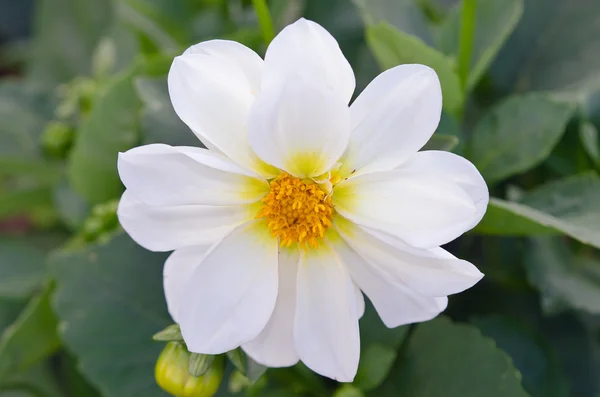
31 338
24 110
402 14
111 127
563 277
508 218
159 122
71 207
441 142
542 376
110 302
168 24
22 268
517 135
568 206
9 311
554 47
392 47
347 390
588 134
373 331
19 201
494 22
39 379
66 33
379 347
376 361
449 359
578 350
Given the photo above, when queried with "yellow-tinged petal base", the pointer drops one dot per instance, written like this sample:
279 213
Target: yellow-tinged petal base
297 211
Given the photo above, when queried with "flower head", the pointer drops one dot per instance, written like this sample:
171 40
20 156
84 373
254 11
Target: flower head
301 203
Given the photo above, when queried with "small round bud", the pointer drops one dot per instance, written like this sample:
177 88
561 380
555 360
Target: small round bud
57 139
173 376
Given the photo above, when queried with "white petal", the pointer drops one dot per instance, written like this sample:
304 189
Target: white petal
299 128
274 346
233 53
395 303
166 176
422 210
212 86
451 167
432 272
169 228
326 324
393 118
306 49
179 266
230 297
360 301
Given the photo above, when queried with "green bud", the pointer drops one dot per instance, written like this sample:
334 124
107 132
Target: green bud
173 376
57 139
92 227
104 58
348 390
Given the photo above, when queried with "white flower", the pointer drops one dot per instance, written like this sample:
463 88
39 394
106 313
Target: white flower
302 204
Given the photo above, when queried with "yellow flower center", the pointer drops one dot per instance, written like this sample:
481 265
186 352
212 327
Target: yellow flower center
297 211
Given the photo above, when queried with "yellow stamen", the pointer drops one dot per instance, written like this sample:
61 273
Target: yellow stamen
297 211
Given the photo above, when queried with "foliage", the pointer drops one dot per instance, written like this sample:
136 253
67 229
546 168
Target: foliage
80 301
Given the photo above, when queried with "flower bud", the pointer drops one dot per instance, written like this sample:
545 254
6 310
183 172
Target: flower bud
57 139
173 376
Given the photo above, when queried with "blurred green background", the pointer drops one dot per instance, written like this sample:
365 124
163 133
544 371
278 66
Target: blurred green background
81 80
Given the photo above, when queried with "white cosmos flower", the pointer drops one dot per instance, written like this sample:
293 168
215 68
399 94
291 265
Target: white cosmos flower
302 202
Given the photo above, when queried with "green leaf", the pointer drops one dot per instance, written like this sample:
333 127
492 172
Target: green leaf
376 361
505 218
18 201
110 301
517 135
494 22
392 47
441 142
568 206
562 277
22 268
31 338
172 333
71 207
402 14
200 363
111 127
588 134
168 24
66 33
24 110
554 47
373 331
159 122
542 376
348 390
379 346
448 359
246 365
578 350
39 380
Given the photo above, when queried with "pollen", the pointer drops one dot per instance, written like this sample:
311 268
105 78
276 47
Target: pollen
297 211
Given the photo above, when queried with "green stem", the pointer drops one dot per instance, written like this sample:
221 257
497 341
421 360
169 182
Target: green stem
264 20
467 32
